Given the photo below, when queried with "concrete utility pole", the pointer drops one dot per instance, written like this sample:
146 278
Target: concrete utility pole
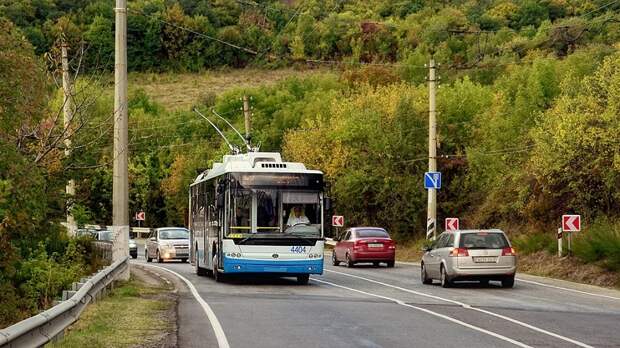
248 117
68 110
431 221
120 194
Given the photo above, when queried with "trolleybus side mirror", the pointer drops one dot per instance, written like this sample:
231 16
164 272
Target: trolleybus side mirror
328 203
220 200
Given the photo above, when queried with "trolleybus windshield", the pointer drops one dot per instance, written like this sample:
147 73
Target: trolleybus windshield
275 205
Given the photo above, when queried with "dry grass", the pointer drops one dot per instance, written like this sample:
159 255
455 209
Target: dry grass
133 315
410 251
543 264
180 91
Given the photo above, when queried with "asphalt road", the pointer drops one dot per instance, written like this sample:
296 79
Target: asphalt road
380 307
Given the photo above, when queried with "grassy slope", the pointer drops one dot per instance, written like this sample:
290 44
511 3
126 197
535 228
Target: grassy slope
134 314
181 91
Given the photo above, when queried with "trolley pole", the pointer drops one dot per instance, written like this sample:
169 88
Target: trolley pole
68 111
431 222
120 194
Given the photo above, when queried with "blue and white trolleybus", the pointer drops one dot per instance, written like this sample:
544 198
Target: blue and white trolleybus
252 213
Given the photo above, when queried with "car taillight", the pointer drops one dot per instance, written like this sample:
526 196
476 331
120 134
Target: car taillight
509 252
459 252
391 244
358 244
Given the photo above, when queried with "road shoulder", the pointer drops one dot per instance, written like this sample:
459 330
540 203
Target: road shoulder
140 313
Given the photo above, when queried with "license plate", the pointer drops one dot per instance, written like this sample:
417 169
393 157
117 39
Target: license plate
485 259
375 245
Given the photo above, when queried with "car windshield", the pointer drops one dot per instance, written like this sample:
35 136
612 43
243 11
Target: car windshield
372 233
174 234
483 240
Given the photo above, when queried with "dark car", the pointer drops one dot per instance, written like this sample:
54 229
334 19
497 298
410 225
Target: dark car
364 244
133 249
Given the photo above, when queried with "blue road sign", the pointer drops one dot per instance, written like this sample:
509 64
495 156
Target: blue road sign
432 180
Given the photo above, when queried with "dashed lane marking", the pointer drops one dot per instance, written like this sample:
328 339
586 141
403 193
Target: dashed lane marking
464 305
456 321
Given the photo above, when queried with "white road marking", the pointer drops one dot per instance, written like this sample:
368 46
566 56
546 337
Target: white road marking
467 306
222 341
456 321
567 289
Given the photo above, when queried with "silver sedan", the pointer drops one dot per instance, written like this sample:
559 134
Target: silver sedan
480 255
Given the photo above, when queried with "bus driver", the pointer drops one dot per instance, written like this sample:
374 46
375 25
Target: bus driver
297 217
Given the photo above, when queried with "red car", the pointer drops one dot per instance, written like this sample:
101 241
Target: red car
364 244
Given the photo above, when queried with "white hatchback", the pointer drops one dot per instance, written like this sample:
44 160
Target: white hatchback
479 255
167 243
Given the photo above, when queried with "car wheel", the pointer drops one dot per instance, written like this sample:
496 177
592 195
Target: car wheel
183 260
375 264
303 279
424 275
146 256
390 264
335 261
484 282
159 259
135 256
445 280
508 282
350 263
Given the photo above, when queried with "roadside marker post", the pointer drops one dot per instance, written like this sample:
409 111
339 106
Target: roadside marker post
571 223
560 242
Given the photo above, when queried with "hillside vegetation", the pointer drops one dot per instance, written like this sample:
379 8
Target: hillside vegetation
528 115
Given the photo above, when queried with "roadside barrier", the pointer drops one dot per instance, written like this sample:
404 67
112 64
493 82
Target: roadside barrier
45 326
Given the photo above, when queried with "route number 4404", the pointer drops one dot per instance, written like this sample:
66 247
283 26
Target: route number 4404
298 249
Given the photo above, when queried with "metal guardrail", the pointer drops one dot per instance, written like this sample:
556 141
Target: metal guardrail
103 249
43 327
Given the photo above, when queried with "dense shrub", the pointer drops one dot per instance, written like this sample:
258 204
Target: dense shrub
530 243
599 243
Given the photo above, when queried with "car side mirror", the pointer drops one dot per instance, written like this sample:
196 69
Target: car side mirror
427 248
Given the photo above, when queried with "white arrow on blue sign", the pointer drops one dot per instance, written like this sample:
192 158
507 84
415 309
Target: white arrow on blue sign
432 180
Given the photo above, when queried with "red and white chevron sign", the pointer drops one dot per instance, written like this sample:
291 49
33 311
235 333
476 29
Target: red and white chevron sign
571 223
451 224
337 220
